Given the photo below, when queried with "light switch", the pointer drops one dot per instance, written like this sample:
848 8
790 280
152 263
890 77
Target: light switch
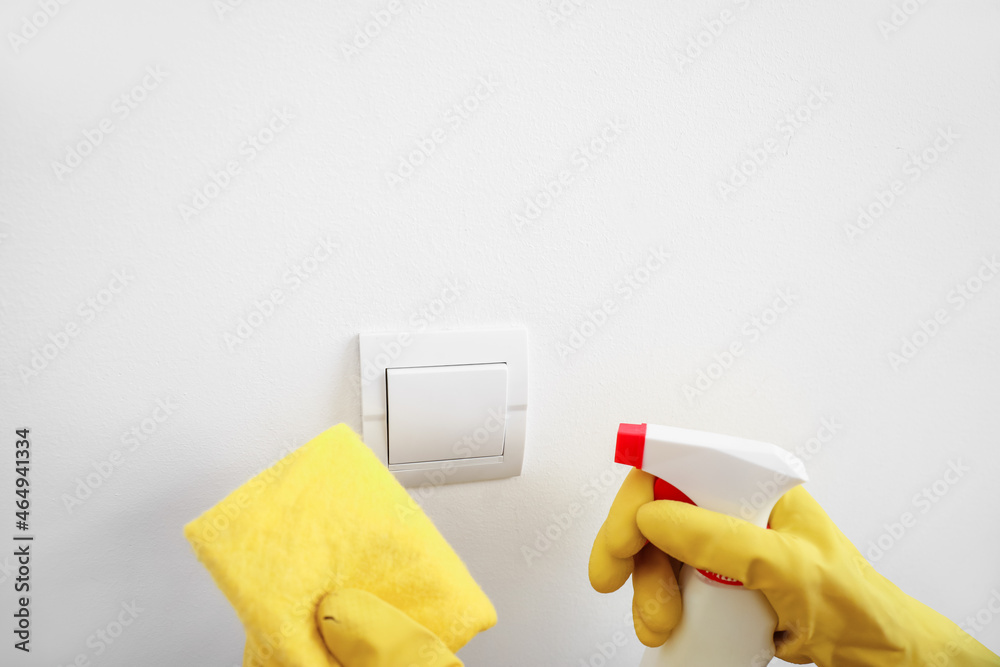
442 413
445 407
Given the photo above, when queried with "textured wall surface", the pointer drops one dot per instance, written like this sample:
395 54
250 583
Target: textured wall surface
204 203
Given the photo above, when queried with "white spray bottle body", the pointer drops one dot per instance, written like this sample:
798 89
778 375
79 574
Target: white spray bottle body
723 624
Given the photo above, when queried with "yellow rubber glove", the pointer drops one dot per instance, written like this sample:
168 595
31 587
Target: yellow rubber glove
833 608
621 551
362 630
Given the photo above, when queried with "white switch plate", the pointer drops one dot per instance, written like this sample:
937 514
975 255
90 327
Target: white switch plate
387 351
438 413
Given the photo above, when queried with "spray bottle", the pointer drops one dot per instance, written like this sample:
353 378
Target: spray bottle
723 624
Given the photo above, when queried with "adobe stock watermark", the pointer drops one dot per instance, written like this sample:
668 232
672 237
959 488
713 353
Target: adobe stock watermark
431 654
378 21
805 451
605 651
927 329
966 631
220 180
32 24
233 505
87 311
418 322
900 15
560 12
103 638
976 623
468 446
121 108
454 117
259 653
767 151
750 332
294 277
624 289
134 438
543 198
923 501
913 170
711 32
225 7
562 522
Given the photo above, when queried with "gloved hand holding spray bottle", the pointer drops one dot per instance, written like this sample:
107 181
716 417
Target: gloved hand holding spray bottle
751 589
723 623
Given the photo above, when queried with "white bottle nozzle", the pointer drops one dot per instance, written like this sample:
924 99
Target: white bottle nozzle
736 476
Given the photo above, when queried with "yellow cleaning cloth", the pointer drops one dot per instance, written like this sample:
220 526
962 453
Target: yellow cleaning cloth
330 516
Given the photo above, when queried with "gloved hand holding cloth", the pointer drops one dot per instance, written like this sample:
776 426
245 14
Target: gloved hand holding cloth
330 563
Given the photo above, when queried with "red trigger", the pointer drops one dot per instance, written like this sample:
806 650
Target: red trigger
663 490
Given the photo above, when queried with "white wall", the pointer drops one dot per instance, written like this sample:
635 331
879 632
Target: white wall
684 127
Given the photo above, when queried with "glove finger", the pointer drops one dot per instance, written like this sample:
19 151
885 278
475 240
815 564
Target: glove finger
607 573
362 630
797 512
648 637
623 536
619 537
656 595
712 541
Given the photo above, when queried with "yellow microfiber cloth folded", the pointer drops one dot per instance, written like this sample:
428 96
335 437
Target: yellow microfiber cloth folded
328 517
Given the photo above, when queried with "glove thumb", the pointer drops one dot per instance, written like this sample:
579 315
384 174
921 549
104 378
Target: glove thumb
362 630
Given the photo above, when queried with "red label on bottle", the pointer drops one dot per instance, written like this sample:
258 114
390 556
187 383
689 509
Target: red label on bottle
718 578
